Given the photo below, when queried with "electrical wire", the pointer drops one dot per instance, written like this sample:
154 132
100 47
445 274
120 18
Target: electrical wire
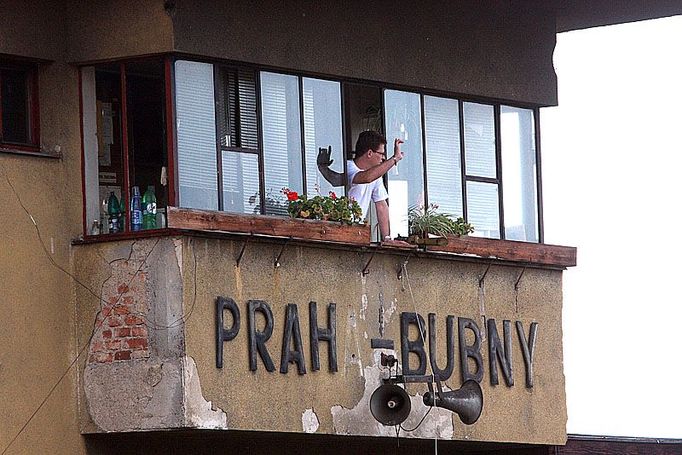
428 360
184 318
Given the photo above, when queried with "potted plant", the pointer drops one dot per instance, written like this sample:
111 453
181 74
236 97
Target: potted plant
429 227
326 208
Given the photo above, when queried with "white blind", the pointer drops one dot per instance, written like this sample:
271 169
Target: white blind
281 138
479 140
195 117
443 163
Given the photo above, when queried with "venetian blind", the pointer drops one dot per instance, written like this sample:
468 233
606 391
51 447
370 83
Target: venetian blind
196 135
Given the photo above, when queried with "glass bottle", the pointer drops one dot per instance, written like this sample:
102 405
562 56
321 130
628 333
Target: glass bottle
114 212
136 210
149 208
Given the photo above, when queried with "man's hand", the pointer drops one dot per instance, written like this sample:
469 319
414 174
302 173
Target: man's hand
397 153
324 157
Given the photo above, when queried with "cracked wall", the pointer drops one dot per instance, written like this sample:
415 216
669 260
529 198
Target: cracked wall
368 307
172 285
136 375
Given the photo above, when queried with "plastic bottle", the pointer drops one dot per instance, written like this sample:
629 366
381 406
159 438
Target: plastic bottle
114 212
136 210
149 208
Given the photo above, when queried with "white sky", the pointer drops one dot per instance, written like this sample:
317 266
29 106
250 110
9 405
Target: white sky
612 187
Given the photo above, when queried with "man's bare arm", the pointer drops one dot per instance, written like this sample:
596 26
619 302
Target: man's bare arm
373 173
324 161
382 217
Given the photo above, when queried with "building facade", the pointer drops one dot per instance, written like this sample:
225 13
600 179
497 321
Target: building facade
217 322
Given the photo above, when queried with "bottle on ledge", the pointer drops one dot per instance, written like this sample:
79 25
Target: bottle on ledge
114 212
136 210
149 208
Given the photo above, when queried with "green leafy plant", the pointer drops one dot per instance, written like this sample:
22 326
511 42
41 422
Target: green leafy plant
327 208
423 221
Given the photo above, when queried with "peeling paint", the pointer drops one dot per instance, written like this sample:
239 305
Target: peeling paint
177 243
359 420
352 354
363 307
199 412
310 421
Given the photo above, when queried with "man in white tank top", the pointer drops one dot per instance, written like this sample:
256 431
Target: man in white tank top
365 174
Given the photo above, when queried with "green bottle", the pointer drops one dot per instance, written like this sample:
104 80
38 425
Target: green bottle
114 212
149 208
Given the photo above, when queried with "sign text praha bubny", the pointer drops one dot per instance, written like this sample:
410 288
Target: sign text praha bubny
470 356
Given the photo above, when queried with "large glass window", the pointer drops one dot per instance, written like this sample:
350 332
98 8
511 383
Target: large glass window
18 109
406 180
519 174
196 135
323 129
281 124
243 135
125 148
443 154
237 109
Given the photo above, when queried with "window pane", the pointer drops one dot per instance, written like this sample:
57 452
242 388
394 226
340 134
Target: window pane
240 182
405 181
483 208
519 174
479 140
105 144
237 117
281 138
15 107
443 163
322 126
196 135
146 127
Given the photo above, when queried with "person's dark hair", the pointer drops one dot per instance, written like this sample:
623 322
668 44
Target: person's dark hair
368 140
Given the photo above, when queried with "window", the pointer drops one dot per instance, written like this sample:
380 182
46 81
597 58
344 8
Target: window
251 134
18 105
243 134
125 148
498 144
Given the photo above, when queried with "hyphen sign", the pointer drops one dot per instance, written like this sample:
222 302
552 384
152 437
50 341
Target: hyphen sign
499 348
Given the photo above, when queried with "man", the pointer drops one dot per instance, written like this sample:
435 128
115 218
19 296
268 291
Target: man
365 174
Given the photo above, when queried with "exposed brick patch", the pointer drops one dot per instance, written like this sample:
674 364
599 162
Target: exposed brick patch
137 343
122 355
122 334
133 320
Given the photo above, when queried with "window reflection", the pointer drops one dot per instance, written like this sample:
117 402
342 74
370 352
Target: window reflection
240 182
483 208
405 181
196 135
519 174
479 140
323 129
443 161
281 128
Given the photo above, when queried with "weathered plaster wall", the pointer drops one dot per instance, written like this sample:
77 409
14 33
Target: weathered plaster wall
491 49
37 340
366 306
173 283
118 28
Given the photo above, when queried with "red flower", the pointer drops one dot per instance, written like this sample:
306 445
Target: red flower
292 195
332 194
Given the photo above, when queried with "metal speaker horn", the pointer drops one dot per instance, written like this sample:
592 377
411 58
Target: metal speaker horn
467 401
390 404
